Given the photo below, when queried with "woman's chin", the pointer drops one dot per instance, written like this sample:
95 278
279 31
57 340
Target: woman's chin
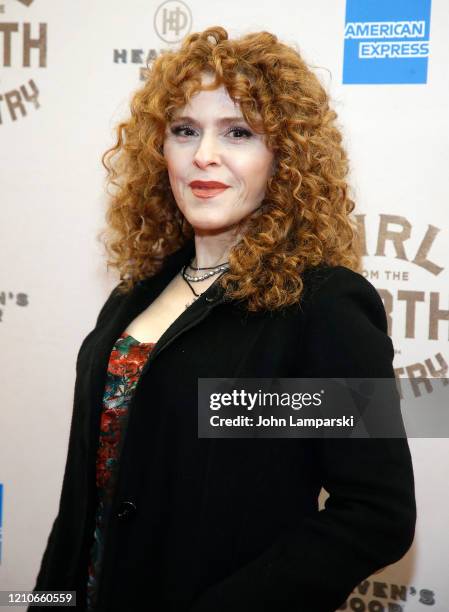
213 226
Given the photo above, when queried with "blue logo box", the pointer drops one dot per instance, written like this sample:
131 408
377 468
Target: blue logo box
386 41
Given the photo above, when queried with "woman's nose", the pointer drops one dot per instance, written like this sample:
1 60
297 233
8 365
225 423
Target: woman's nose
208 151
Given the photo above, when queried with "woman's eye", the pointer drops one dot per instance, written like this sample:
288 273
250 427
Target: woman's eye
185 130
177 131
246 133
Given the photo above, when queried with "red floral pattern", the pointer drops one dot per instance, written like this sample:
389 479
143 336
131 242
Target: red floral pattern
127 359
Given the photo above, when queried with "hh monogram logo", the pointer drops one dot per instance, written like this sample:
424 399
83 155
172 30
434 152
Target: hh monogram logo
172 21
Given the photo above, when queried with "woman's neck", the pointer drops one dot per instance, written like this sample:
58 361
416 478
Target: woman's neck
212 250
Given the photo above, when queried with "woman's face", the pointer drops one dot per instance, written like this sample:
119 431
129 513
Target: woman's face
208 140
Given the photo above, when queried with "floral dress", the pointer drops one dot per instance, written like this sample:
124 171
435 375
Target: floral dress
127 359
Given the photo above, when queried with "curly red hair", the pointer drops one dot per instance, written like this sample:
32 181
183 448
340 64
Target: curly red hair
304 219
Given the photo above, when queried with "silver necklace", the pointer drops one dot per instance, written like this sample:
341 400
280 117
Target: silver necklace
195 279
187 277
212 270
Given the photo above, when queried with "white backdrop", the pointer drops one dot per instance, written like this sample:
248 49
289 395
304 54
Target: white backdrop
56 119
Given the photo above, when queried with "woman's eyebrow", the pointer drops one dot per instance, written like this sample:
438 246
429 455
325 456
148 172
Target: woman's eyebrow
221 121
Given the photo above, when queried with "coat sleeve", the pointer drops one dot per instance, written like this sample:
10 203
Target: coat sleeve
369 517
51 570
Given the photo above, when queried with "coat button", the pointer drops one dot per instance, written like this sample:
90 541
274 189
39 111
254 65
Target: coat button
210 298
126 510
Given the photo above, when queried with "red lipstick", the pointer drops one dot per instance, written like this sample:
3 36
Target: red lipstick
208 184
207 189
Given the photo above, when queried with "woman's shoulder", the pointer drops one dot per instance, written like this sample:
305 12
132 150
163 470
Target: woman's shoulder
339 294
345 323
115 297
325 281
318 275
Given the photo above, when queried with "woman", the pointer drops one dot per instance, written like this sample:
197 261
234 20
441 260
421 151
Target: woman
229 223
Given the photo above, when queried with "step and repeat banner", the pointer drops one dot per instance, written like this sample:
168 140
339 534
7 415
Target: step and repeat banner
67 72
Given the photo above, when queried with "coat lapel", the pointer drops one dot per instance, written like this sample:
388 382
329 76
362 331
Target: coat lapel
132 304
196 312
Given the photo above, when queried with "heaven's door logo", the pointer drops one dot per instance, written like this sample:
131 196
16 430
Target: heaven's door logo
23 49
172 21
386 41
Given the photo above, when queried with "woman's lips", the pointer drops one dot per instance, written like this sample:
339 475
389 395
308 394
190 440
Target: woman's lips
207 192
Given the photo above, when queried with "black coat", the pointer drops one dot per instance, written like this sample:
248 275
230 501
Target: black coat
232 525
